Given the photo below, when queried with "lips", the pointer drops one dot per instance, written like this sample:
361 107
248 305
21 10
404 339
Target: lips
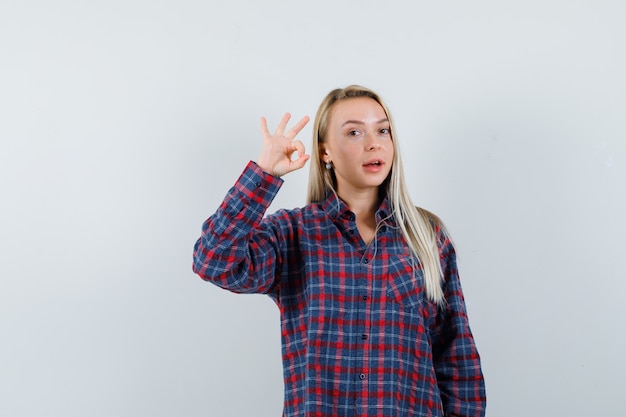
374 162
374 166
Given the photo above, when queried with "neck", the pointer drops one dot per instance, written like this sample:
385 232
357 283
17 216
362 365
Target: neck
363 204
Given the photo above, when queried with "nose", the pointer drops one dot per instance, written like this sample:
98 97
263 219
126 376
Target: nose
372 143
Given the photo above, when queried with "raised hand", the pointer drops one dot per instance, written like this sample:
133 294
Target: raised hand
276 157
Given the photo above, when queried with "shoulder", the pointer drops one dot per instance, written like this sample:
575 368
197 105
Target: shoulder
435 221
430 216
444 241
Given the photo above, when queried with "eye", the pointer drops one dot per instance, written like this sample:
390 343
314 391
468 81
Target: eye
385 131
353 132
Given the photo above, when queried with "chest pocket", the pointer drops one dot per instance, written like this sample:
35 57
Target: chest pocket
404 283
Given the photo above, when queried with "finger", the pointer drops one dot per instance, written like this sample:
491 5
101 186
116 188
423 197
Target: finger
264 130
298 146
300 162
297 128
280 130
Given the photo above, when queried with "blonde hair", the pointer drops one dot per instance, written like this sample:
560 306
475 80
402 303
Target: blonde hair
416 224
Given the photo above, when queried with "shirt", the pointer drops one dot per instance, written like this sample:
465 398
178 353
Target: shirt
359 335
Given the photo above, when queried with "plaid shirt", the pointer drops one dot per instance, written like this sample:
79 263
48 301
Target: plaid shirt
359 336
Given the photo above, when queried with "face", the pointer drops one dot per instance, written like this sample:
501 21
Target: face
358 143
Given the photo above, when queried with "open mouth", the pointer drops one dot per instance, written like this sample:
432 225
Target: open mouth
374 163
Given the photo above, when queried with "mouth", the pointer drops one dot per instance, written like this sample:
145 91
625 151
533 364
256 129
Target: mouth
374 163
374 166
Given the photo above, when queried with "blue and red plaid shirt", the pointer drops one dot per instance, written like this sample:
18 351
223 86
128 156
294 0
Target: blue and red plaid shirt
359 336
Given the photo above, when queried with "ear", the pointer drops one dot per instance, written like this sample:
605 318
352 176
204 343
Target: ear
324 156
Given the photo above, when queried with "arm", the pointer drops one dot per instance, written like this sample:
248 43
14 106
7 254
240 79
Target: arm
455 357
237 250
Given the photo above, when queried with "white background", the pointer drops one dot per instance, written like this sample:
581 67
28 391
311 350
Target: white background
124 123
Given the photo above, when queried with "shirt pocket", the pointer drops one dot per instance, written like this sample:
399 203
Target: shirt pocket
404 283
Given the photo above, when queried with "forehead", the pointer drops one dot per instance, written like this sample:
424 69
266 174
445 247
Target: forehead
364 109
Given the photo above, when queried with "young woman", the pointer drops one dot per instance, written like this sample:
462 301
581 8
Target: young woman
373 320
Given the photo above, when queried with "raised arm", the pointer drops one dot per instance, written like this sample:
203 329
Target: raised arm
237 250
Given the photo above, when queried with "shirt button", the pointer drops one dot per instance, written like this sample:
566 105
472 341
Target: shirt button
365 298
258 184
366 261
362 377
363 337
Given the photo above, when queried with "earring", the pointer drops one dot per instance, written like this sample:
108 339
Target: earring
328 165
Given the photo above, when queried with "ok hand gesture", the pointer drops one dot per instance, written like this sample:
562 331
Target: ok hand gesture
276 157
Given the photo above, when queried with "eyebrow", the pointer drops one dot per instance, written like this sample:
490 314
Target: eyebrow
358 122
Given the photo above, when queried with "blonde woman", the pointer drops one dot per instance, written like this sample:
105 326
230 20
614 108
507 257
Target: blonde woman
373 320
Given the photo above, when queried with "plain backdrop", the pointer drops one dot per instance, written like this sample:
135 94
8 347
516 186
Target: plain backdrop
124 123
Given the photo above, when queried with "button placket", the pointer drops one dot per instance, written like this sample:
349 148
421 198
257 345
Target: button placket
366 287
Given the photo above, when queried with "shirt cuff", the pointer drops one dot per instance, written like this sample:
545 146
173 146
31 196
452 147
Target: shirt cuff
257 184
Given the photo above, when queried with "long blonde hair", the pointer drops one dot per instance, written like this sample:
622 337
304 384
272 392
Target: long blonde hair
417 225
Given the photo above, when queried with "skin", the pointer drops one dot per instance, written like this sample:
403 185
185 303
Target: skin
278 149
358 134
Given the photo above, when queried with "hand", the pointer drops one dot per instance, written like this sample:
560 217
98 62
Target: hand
279 148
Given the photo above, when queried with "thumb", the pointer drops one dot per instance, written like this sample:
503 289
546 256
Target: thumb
302 158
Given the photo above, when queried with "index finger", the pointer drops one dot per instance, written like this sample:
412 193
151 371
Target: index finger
264 130
297 128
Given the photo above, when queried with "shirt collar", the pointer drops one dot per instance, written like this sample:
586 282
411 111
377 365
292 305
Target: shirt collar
385 210
335 208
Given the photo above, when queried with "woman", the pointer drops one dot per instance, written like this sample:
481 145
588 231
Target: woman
373 320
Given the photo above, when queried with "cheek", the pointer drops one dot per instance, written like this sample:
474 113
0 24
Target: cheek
347 152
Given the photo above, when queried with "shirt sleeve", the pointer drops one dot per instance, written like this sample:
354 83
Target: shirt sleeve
456 360
235 251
